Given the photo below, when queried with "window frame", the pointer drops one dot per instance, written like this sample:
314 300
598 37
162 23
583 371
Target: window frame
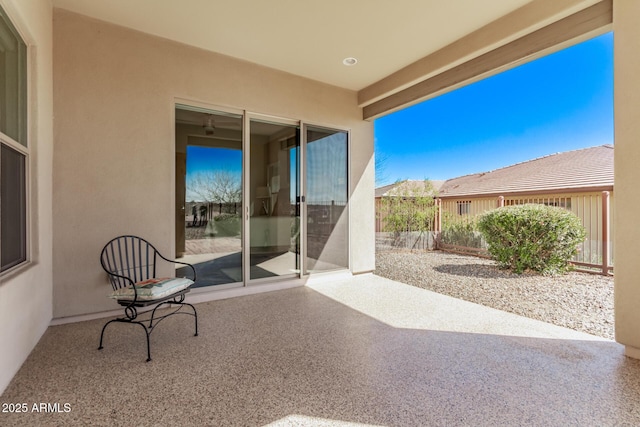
463 207
22 148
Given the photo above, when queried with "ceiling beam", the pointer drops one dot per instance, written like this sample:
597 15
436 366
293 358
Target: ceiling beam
594 19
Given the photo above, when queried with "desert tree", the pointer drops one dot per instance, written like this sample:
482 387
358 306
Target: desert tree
220 186
410 206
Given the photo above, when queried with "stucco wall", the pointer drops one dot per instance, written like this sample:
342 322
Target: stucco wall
25 296
627 158
115 91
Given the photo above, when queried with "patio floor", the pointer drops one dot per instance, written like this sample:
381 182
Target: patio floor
358 351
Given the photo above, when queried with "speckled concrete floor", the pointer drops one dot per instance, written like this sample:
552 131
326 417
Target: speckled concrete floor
360 351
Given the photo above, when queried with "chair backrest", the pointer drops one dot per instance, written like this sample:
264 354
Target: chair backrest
131 257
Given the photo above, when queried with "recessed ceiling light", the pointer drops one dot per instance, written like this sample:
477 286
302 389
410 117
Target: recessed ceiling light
349 61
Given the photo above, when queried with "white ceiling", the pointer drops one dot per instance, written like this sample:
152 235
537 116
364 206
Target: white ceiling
305 37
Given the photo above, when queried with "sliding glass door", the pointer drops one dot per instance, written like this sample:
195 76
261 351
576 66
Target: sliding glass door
209 192
326 194
258 200
274 190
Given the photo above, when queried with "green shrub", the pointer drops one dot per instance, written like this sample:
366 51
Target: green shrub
226 217
532 237
224 225
461 232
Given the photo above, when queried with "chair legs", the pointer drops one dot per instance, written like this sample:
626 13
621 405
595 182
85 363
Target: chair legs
147 332
153 313
102 334
149 329
195 315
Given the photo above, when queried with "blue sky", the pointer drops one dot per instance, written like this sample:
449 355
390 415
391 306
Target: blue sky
324 155
560 102
206 160
203 159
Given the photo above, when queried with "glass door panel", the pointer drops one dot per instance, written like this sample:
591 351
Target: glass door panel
327 191
209 194
273 182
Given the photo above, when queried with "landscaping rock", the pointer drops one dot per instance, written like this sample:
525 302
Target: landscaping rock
579 301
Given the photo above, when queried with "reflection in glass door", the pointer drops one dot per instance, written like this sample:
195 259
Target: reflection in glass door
327 191
273 208
243 183
209 194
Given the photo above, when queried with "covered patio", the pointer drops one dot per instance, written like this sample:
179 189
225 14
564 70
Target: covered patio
95 95
354 351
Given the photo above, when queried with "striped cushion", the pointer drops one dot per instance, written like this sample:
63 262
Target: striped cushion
153 288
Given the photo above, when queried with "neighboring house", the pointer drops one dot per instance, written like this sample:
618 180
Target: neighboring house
574 180
570 180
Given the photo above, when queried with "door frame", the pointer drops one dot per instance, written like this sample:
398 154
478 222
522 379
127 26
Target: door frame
247 116
303 149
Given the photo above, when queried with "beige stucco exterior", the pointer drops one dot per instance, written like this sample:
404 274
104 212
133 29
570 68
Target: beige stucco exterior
116 91
627 174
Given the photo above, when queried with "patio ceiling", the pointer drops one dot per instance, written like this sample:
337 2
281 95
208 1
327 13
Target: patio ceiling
398 44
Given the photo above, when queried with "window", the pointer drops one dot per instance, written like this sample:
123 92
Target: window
14 152
562 202
464 207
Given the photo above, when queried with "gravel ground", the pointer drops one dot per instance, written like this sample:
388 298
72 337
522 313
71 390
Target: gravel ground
579 301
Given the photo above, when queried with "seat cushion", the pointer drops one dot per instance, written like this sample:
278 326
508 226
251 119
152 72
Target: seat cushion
153 288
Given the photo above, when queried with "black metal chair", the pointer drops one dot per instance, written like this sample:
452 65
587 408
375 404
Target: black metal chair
130 262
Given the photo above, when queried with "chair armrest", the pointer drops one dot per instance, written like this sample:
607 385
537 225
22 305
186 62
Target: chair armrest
181 263
131 283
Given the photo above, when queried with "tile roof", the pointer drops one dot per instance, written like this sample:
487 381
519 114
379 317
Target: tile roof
571 170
